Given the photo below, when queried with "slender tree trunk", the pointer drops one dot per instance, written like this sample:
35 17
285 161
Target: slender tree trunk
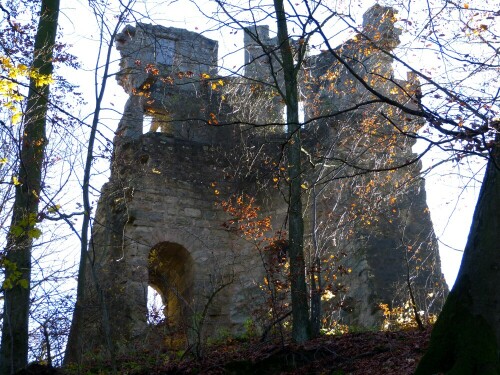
14 344
315 271
466 337
316 296
300 310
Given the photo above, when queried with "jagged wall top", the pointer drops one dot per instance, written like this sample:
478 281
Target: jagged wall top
378 26
177 53
167 66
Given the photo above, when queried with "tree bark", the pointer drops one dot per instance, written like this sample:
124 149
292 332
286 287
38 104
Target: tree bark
466 336
14 344
300 309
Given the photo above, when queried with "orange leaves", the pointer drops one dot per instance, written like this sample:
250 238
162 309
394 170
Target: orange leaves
331 75
140 92
168 80
152 69
186 74
245 219
212 120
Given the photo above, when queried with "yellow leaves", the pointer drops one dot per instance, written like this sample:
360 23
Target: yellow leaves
11 73
336 329
16 117
215 84
41 79
5 63
4 161
205 76
54 209
327 295
15 181
155 171
401 317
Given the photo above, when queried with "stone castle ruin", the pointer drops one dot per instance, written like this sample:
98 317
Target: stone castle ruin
161 222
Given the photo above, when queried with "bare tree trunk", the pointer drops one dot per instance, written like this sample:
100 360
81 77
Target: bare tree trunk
316 296
315 271
14 345
466 336
300 310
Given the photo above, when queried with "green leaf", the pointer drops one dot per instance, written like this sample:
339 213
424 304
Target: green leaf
23 283
34 233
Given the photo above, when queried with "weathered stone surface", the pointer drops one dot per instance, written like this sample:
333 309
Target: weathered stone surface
158 222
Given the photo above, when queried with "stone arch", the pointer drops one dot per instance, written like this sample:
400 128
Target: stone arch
171 274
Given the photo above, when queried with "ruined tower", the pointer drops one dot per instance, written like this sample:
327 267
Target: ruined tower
160 221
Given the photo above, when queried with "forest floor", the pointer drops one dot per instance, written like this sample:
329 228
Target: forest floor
354 354
365 353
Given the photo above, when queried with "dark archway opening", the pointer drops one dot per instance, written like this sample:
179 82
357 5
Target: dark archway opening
171 276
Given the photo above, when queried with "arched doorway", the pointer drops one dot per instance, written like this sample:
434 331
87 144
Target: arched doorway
171 275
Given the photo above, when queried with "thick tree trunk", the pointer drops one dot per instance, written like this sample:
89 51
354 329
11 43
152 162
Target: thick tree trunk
300 310
466 336
14 345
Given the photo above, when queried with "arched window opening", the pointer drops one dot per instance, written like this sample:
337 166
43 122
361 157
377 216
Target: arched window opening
156 121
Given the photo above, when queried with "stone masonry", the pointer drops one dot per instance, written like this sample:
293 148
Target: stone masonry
160 222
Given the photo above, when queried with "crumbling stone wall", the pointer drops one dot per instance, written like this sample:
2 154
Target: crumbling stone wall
389 240
168 73
158 222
